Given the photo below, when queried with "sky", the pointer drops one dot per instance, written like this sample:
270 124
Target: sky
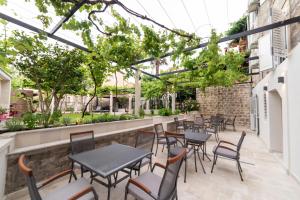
193 16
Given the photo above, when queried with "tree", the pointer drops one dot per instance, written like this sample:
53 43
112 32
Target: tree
53 70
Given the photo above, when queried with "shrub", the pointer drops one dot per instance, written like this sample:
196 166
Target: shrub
30 120
66 121
152 112
165 112
42 119
177 111
56 115
14 124
127 117
191 105
142 113
2 110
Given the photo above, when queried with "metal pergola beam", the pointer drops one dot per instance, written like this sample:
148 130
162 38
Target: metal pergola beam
232 37
67 17
187 70
37 30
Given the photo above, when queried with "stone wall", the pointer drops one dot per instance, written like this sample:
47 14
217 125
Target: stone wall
46 162
228 101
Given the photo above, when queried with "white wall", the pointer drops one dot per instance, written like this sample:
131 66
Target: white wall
290 97
5 90
293 82
4 149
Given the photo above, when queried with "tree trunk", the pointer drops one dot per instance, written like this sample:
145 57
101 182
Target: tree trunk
94 93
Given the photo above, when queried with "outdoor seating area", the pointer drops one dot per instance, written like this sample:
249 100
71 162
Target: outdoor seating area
259 170
149 100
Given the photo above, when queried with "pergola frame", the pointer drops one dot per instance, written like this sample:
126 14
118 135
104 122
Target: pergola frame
201 45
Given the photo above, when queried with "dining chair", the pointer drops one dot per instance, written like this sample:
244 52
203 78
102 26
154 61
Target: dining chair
81 142
179 126
152 186
231 122
229 150
145 141
79 189
174 150
160 136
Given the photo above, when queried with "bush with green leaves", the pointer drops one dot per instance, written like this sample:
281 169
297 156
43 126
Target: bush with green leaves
126 117
142 113
66 121
30 120
56 115
176 112
42 119
191 105
165 112
14 124
2 110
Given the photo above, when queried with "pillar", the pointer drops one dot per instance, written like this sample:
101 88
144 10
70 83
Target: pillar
111 102
173 95
130 103
137 92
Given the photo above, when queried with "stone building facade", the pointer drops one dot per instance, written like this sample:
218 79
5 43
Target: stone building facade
233 101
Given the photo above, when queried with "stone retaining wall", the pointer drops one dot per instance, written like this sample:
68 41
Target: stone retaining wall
228 101
51 160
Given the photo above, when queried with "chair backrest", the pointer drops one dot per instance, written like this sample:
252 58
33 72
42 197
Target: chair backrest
159 130
239 145
234 119
82 141
188 125
30 180
176 121
199 120
169 181
145 140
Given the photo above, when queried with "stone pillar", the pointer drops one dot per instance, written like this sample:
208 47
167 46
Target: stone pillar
75 104
130 103
111 102
167 101
147 105
173 95
137 92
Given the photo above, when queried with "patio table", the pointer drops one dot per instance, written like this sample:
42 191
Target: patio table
197 139
108 161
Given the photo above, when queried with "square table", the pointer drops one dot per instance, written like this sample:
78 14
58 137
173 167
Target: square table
108 161
197 139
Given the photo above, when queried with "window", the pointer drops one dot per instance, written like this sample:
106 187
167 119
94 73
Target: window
265 105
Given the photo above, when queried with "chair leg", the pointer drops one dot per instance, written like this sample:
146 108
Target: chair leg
201 162
195 158
214 162
240 170
126 193
81 171
91 178
185 168
71 174
156 148
163 148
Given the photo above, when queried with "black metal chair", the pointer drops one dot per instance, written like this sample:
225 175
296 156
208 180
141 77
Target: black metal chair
231 122
144 140
174 150
199 123
79 189
151 186
188 125
179 126
230 151
160 136
80 142
214 130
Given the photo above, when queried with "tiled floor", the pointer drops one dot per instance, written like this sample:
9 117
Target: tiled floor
264 177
